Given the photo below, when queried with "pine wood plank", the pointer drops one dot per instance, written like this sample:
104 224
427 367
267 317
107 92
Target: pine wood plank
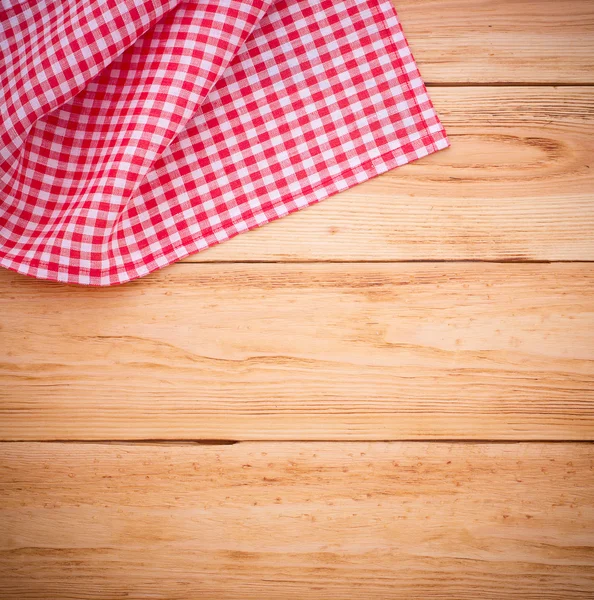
482 41
297 520
313 351
517 184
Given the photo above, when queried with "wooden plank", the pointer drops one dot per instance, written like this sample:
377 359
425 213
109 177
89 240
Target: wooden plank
297 520
517 184
481 41
318 351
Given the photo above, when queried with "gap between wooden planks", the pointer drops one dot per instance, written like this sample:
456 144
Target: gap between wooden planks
503 41
517 184
297 520
311 351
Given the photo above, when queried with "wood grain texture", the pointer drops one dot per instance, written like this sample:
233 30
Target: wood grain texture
482 41
297 520
517 184
322 351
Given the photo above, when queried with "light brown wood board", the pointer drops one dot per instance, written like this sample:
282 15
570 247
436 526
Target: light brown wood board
312 351
297 520
500 41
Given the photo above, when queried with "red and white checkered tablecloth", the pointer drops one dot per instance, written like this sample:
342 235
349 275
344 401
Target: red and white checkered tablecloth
136 132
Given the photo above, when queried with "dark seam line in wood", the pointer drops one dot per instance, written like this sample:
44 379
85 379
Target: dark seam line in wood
506 261
182 442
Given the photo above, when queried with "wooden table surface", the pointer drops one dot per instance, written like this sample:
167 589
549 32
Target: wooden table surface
393 398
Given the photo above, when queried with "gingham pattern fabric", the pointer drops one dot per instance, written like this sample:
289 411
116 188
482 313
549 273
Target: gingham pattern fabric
136 132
